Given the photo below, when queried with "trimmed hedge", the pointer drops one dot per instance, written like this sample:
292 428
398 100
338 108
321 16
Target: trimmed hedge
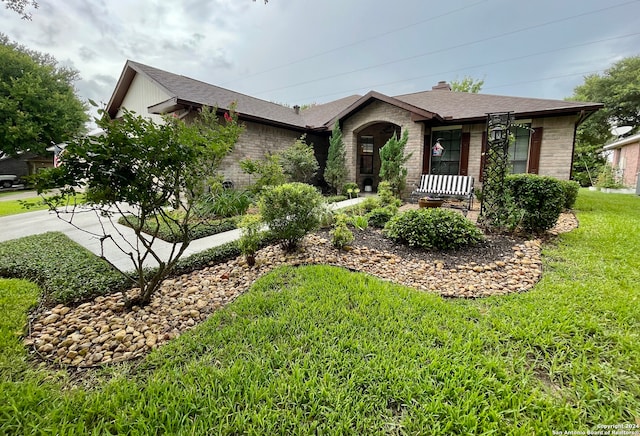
541 199
571 189
438 229
67 272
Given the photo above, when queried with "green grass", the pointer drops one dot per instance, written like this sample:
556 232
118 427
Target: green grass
14 207
321 350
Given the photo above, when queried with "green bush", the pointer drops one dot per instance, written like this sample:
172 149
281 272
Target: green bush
540 198
608 178
67 272
251 236
341 236
571 189
439 229
386 197
351 189
225 203
369 203
291 211
268 170
380 216
299 161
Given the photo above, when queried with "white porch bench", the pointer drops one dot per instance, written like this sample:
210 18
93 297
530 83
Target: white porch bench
446 186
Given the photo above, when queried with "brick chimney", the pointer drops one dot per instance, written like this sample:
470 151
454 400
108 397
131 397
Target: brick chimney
442 85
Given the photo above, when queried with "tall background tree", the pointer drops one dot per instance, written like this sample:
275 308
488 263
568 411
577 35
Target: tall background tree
619 89
467 84
21 6
38 103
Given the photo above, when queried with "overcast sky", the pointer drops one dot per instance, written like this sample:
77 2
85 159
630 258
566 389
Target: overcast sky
306 51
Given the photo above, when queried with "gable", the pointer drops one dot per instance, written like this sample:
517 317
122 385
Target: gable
141 94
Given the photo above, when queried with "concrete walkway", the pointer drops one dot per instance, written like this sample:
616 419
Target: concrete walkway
86 229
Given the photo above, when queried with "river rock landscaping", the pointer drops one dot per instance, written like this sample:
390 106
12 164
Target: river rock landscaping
101 331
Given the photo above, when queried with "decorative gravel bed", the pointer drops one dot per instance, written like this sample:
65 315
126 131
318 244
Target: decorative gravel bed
100 331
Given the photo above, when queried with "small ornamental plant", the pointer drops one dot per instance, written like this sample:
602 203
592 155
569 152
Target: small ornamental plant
250 237
341 235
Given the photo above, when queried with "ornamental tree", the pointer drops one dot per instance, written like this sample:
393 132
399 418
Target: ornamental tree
148 175
335 172
392 163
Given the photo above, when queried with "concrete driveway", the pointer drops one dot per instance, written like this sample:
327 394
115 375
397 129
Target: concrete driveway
87 227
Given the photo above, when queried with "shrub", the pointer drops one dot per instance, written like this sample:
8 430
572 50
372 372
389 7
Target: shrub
341 236
385 194
539 198
268 170
370 203
571 189
351 189
225 203
380 216
299 161
208 257
428 228
250 237
608 178
291 211
67 272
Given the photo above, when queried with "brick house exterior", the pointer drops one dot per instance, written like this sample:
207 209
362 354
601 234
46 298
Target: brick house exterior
543 144
626 159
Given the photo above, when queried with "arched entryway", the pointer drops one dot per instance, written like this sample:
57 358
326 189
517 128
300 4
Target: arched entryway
369 140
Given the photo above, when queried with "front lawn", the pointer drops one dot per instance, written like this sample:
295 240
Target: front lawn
319 349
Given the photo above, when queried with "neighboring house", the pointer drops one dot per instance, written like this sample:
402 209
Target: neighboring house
626 159
544 145
25 164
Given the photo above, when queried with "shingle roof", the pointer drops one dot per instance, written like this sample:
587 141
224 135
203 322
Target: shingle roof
441 104
461 106
189 90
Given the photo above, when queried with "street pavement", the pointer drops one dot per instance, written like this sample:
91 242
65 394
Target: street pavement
86 228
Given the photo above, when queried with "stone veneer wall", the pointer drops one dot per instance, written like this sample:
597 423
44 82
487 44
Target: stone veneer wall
381 112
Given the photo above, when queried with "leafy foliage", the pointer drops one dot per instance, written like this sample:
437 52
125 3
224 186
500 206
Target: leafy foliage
268 170
618 89
67 272
432 228
299 162
335 172
137 169
341 235
539 198
386 196
571 189
379 216
220 202
392 163
20 7
250 237
291 211
467 84
608 178
38 104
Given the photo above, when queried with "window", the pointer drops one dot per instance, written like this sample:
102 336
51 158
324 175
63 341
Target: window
366 155
447 160
519 149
